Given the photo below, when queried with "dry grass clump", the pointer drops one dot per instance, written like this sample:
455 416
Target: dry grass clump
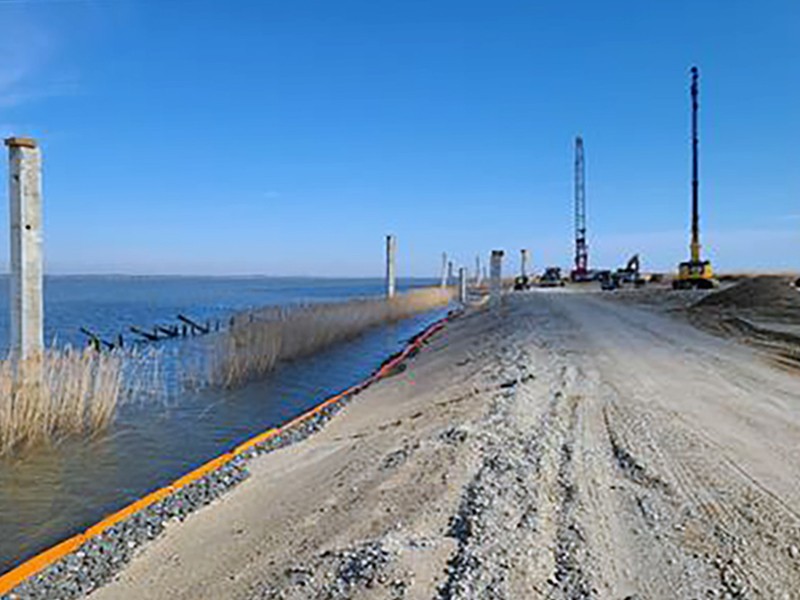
59 393
253 346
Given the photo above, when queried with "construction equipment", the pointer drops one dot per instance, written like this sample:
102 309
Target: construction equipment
630 272
551 278
580 272
608 281
522 281
695 273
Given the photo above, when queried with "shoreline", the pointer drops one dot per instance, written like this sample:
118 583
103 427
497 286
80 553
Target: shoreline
111 535
544 448
557 445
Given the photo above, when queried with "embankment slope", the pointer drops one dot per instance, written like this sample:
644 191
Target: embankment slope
563 446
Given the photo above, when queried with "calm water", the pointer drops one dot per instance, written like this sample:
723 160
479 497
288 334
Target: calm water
109 305
52 493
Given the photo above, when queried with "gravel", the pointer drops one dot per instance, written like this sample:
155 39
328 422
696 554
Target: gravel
337 574
99 559
96 561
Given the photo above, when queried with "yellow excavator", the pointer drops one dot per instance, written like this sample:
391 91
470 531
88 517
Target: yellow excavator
695 273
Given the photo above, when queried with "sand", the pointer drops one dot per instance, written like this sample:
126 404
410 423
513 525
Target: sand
564 445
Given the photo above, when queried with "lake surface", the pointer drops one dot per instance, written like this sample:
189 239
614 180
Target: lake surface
55 492
110 305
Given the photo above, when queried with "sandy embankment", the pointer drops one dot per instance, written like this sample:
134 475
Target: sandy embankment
383 477
566 446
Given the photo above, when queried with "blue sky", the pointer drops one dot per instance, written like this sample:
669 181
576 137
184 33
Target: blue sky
287 138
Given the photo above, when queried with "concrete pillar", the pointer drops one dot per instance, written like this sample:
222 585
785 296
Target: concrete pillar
444 270
523 265
449 271
462 285
496 275
391 250
477 270
25 196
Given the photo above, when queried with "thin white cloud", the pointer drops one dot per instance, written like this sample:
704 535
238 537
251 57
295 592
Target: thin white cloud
26 47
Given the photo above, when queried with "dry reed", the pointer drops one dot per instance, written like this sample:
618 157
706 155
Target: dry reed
67 392
59 393
253 346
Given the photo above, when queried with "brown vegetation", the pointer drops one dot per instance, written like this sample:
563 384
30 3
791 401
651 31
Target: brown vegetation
253 346
58 393
68 391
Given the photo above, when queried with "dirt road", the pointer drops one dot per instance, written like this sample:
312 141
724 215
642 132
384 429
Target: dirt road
562 446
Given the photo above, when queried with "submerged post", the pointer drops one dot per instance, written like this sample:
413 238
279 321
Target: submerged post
523 265
496 273
391 248
444 269
25 199
462 285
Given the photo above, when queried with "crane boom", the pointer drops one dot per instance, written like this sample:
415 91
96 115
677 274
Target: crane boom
696 272
695 244
581 269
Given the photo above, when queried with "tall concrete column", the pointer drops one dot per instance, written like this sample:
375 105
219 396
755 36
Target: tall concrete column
25 196
391 248
444 270
496 275
449 272
462 285
477 270
523 265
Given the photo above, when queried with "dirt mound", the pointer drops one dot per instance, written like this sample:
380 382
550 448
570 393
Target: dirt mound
768 294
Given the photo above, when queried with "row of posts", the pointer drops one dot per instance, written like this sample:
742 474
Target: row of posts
495 266
26 282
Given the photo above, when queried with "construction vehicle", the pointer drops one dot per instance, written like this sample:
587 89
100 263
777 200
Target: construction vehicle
695 273
551 278
608 281
630 273
521 283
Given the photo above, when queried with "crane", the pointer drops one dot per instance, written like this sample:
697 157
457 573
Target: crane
695 273
580 272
